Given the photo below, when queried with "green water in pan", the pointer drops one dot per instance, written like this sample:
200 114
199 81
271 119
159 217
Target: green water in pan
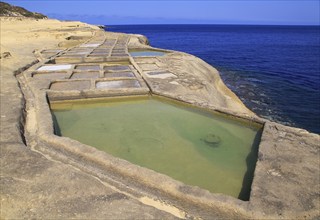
194 146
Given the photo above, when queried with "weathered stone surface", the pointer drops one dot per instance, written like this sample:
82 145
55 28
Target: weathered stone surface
287 178
5 55
11 108
33 186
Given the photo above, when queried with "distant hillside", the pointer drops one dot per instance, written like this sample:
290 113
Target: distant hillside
7 10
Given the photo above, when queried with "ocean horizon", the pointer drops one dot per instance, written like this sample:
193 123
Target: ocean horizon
273 69
261 25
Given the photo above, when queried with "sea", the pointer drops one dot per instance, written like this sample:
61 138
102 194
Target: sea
274 70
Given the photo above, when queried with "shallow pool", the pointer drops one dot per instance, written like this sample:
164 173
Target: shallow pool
146 53
194 146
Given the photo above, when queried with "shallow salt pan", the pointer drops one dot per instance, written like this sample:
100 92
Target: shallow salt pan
195 146
55 67
90 45
81 53
118 84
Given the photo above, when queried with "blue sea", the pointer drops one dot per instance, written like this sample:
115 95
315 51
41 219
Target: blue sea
274 70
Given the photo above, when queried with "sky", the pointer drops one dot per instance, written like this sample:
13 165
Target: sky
265 12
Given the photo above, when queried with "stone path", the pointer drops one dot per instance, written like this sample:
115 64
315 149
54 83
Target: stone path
33 186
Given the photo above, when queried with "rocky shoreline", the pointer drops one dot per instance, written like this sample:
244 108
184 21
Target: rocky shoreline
45 176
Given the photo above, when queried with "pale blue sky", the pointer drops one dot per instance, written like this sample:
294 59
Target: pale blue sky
275 12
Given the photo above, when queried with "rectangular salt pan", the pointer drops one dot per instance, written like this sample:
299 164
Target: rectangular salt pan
118 84
117 68
55 67
119 74
85 75
90 45
88 67
78 53
197 147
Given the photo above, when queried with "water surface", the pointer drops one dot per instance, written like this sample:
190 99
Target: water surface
196 147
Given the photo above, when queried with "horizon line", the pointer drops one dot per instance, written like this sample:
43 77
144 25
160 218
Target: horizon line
314 25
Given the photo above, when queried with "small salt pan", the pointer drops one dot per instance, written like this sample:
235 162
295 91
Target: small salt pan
90 45
55 67
86 52
118 84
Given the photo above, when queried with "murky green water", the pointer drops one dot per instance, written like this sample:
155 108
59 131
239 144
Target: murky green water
196 147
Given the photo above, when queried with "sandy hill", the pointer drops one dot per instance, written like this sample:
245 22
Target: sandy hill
7 10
